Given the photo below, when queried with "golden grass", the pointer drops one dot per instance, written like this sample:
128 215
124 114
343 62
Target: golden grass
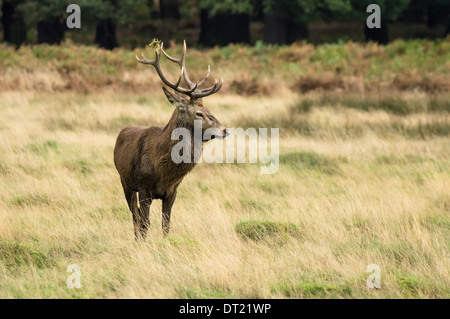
386 201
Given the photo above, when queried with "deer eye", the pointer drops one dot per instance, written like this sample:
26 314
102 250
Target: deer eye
199 114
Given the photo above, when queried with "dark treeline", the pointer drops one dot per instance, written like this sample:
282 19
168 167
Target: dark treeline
210 22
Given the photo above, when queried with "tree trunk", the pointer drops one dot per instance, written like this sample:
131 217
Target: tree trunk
232 28
274 29
295 31
380 35
438 14
105 35
207 29
51 32
447 27
14 28
279 30
169 9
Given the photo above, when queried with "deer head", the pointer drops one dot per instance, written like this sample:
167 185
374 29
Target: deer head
188 101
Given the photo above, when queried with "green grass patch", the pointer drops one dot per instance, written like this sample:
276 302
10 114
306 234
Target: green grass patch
395 105
259 230
409 283
31 200
303 106
311 290
311 161
250 204
438 104
439 127
14 254
203 187
44 148
80 166
183 242
391 159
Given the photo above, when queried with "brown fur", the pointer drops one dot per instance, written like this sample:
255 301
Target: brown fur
142 156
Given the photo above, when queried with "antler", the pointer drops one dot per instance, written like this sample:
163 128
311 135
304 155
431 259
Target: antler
194 92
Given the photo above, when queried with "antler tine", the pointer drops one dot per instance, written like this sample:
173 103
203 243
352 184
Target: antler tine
170 57
185 74
179 79
144 60
157 65
193 89
218 87
182 63
206 77
208 91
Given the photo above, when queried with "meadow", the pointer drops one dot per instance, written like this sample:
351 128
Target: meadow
364 175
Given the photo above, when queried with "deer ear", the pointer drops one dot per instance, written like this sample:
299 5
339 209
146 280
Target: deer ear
173 98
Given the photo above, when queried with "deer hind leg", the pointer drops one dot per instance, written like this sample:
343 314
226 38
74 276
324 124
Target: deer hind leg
140 208
139 205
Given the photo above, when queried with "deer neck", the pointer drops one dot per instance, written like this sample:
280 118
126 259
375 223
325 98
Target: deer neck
176 121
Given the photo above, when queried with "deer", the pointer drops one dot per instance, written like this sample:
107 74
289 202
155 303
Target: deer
142 154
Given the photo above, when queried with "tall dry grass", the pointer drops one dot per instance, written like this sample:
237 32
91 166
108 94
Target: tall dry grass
363 180
354 201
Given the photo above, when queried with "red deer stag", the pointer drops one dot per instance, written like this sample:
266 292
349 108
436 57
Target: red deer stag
142 155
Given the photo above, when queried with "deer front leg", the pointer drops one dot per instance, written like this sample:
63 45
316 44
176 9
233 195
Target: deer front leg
166 211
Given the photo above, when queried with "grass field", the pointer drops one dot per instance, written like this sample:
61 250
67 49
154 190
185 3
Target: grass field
364 179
